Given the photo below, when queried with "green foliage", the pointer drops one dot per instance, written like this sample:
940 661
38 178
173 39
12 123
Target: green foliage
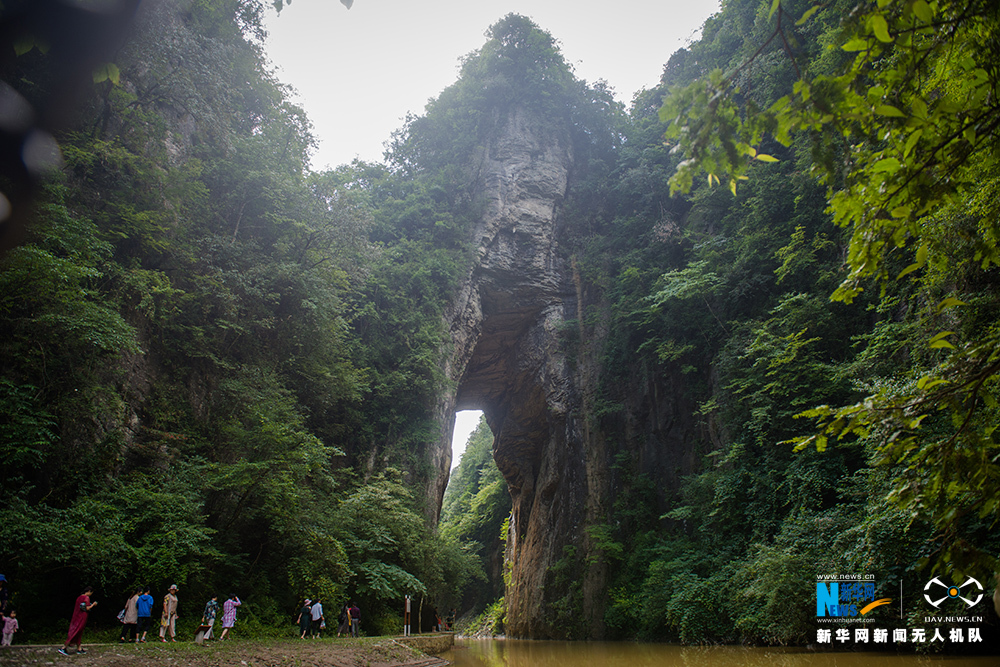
489 623
564 592
384 540
767 582
474 516
519 68
27 430
191 330
900 128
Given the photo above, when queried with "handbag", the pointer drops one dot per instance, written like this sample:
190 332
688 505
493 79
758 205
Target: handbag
121 616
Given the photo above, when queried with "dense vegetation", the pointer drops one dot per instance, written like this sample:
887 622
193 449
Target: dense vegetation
219 368
216 366
849 262
475 513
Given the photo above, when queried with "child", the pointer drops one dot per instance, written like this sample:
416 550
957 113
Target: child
9 628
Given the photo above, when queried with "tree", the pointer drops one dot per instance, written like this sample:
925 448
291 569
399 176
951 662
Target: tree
904 129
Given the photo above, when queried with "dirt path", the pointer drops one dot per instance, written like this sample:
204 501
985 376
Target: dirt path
373 652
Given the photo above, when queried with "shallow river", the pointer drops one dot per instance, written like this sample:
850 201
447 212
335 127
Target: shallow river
522 653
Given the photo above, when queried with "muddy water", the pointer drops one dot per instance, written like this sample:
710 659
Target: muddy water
522 653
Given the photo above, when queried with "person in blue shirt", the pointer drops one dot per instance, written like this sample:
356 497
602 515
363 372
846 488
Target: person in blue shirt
144 608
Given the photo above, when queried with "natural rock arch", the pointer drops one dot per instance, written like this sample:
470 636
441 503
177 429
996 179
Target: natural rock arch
506 323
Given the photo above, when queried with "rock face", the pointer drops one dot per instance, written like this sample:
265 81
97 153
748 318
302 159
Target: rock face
507 323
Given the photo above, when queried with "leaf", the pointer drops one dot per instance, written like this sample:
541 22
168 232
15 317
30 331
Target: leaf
880 28
23 45
911 141
26 43
856 44
923 11
808 14
107 72
938 341
927 382
889 110
889 164
949 303
775 4
764 157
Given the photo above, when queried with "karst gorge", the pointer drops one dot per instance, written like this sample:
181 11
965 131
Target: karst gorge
727 340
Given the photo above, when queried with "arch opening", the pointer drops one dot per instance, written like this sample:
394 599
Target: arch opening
466 422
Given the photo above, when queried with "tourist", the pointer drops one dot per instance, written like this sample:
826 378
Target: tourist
305 618
229 614
317 618
144 614
355 620
168 620
9 628
344 620
79 621
130 617
208 617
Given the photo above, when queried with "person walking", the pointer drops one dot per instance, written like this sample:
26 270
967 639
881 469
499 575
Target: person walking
229 614
9 628
144 614
344 620
169 617
317 618
79 621
208 617
305 618
131 618
355 620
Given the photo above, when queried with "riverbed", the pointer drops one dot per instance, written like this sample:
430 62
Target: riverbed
525 653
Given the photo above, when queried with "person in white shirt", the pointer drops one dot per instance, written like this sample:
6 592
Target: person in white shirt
317 619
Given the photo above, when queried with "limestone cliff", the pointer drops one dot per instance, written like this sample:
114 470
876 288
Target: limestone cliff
506 324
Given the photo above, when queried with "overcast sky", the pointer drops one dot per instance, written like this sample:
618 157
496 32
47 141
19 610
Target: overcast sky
359 71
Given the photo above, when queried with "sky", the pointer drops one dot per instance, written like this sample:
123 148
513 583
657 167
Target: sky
358 72
466 422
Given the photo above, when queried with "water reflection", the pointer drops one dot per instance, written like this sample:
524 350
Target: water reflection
522 653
